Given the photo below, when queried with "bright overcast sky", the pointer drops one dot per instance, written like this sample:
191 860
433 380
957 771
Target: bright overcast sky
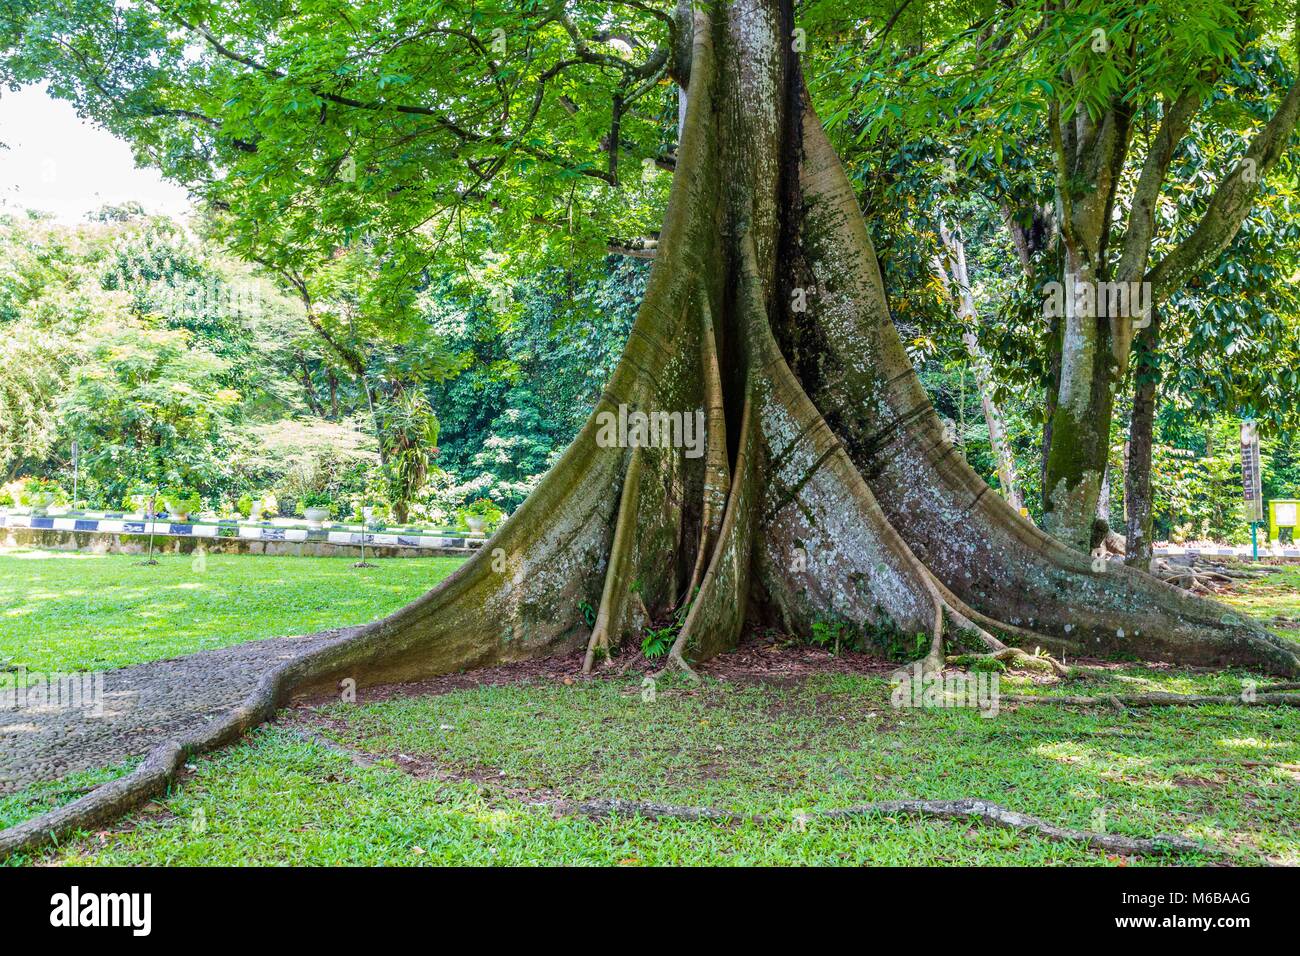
62 164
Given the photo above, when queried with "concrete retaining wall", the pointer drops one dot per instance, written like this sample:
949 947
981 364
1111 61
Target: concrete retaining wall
130 535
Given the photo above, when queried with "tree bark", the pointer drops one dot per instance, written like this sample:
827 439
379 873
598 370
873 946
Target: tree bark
1081 419
1137 475
1137 484
1050 393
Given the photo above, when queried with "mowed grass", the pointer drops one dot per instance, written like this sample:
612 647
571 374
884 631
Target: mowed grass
1268 599
69 612
42 797
472 776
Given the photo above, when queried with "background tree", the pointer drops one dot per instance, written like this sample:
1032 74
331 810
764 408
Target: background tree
148 408
1228 338
1117 86
32 375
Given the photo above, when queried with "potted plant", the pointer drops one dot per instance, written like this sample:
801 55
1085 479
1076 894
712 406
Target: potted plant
316 508
39 493
378 509
481 514
136 501
180 504
258 509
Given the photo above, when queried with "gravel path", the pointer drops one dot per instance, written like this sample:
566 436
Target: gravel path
143 706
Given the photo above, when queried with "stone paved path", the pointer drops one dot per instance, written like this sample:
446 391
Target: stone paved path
144 705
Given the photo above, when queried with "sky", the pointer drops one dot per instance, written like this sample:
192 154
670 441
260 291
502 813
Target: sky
62 164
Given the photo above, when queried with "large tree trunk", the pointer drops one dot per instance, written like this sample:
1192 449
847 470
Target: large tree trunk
825 490
1089 150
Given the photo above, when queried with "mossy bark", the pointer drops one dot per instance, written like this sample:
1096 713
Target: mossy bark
1077 457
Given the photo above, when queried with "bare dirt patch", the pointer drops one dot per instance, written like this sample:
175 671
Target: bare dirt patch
758 660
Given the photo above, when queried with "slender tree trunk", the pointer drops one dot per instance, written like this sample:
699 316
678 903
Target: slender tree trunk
1033 230
308 390
1137 485
1089 149
375 421
1081 418
956 277
1137 478
1050 393
1103 498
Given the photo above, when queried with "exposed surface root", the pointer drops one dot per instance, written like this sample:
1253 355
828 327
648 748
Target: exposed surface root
101 805
1014 657
997 650
1201 577
717 613
676 660
966 809
717 472
618 585
1113 543
161 765
971 620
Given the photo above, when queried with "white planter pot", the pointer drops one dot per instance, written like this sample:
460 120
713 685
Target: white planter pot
315 517
476 524
175 511
256 513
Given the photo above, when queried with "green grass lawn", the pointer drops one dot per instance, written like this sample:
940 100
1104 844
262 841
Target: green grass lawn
470 776
1275 596
454 775
42 797
63 611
